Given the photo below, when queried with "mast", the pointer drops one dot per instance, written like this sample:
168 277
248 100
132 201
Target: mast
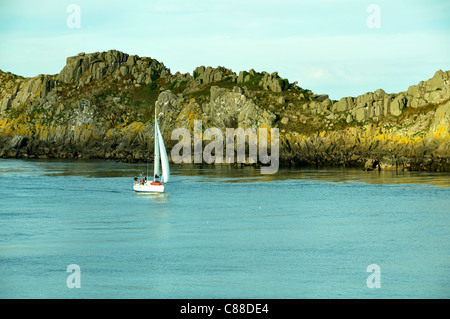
156 162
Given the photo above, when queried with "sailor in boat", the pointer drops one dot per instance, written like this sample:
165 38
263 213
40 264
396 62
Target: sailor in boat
157 180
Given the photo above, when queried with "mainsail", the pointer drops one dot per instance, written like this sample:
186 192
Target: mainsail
160 152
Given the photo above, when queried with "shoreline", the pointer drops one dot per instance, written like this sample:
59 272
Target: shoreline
368 162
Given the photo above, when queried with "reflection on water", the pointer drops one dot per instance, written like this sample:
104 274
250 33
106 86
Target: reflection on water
370 177
157 198
222 173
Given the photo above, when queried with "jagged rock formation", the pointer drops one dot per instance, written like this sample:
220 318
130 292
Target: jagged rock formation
373 105
88 67
101 105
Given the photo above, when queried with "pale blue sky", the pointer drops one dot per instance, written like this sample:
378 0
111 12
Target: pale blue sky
324 45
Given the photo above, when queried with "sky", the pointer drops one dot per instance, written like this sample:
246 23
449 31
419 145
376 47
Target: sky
340 48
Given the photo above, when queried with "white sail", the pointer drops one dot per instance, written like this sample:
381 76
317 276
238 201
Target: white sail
164 159
156 162
160 155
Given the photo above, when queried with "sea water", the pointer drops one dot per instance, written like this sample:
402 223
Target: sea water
221 232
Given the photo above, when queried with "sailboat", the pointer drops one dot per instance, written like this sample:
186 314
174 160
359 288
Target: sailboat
160 176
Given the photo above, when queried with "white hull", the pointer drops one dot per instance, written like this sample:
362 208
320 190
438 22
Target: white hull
148 188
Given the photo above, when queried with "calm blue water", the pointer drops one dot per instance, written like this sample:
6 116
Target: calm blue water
221 233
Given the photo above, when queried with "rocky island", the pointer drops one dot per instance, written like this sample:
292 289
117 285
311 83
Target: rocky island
102 104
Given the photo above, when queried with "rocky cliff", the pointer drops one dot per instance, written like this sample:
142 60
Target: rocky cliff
101 105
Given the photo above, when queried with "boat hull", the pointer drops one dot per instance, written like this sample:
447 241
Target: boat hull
148 188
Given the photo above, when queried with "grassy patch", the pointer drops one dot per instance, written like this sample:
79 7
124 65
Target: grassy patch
409 112
172 85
